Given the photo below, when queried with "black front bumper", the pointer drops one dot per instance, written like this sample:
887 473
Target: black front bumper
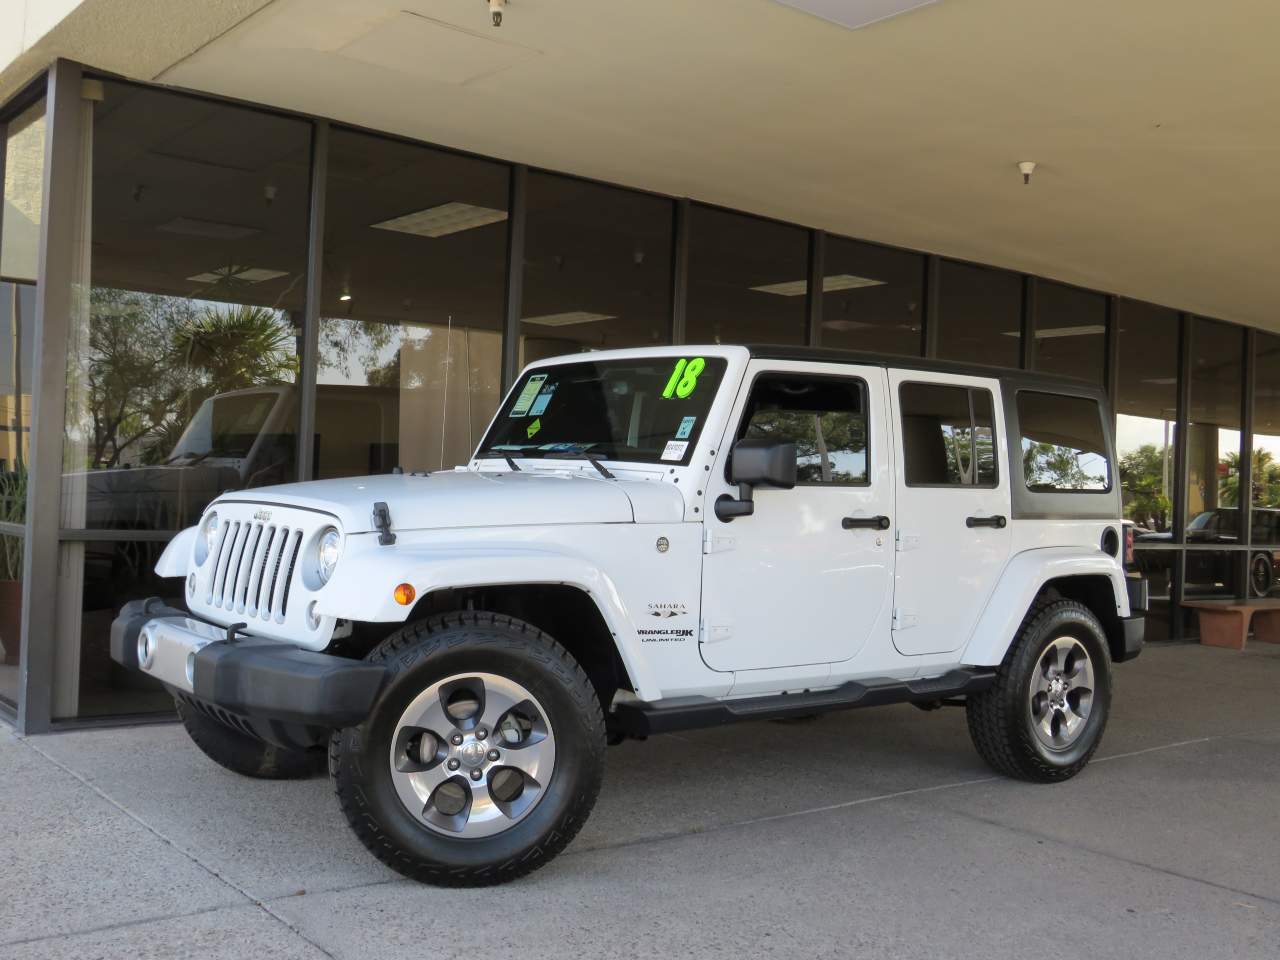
280 693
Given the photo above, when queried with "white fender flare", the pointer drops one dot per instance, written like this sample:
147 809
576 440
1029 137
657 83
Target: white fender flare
175 558
364 589
1022 579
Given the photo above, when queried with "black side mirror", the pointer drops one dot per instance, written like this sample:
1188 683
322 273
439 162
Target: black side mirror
756 463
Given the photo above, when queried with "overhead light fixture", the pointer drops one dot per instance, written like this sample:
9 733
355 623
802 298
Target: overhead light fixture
567 319
1053 333
844 325
344 296
208 228
838 281
238 276
856 13
442 220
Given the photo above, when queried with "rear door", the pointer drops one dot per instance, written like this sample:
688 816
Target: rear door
952 491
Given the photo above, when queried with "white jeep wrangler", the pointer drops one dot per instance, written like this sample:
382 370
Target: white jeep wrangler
646 541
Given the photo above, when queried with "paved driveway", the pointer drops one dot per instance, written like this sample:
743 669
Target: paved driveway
874 833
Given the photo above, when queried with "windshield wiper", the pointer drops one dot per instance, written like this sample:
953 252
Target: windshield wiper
496 455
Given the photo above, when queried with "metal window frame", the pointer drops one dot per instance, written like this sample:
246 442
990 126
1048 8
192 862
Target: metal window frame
58 228
517 217
813 289
309 362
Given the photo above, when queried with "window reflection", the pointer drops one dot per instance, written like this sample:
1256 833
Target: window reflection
747 279
979 314
1213 435
1070 331
198 226
597 268
410 348
872 298
1146 417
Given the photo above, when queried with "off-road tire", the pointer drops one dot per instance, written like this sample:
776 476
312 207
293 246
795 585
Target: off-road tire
999 718
244 754
422 653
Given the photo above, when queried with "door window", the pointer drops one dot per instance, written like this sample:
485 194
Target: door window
825 417
948 435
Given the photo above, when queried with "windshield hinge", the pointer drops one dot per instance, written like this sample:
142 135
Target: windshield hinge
382 522
713 544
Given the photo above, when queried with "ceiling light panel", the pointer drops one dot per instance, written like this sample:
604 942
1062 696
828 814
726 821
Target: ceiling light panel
856 13
238 275
442 220
208 228
567 319
839 281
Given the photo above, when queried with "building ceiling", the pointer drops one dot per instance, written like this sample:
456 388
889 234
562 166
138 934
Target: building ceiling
1152 122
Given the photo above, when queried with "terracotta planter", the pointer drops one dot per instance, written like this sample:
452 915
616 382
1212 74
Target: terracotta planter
11 619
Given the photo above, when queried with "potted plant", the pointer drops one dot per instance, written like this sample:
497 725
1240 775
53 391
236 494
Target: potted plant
13 509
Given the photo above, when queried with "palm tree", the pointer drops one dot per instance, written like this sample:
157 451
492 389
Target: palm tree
237 346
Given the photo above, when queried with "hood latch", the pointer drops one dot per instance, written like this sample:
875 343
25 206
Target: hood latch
382 521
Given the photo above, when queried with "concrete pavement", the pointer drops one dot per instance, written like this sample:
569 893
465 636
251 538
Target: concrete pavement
874 833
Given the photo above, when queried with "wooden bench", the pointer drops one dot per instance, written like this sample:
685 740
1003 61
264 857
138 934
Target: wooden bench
1225 623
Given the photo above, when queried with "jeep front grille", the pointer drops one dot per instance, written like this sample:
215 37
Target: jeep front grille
253 569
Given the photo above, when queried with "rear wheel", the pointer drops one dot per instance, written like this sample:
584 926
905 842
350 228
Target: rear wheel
1045 716
482 757
244 754
1260 575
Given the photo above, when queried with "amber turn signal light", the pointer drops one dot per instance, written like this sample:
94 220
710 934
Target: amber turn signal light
404 594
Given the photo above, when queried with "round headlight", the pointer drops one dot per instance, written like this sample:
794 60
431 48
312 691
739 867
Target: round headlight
328 551
208 536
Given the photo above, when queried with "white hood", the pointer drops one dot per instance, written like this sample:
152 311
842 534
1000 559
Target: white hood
466 498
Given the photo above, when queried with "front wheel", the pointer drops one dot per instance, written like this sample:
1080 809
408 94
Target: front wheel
1261 575
1044 717
482 757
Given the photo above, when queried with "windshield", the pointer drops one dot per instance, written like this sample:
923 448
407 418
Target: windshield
225 426
649 410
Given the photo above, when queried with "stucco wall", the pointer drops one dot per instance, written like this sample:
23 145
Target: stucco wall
135 38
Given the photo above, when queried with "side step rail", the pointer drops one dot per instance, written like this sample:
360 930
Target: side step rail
640 718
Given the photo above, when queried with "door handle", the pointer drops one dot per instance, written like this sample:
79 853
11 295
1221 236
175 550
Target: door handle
998 522
865 523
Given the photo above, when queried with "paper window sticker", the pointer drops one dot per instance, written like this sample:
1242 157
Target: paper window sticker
534 428
674 450
528 394
686 428
540 405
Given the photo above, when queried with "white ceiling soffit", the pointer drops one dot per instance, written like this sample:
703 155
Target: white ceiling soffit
856 13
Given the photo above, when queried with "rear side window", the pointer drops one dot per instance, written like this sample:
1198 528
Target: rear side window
1064 448
948 435
826 418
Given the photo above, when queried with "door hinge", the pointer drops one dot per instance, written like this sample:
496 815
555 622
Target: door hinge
907 541
713 544
903 620
714 633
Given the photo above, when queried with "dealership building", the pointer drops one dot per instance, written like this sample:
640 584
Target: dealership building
251 241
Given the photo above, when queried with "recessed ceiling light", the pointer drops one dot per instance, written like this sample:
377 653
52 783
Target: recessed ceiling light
208 228
838 281
1052 333
344 297
856 13
567 319
844 325
238 275
442 220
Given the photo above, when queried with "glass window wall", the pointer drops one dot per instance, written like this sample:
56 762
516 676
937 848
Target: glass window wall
979 314
873 298
747 279
597 268
1071 331
411 313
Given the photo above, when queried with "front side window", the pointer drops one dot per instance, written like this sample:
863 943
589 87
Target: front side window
650 410
948 435
1063 445
825 417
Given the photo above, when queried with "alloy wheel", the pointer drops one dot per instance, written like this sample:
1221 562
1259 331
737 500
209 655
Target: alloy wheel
1061 693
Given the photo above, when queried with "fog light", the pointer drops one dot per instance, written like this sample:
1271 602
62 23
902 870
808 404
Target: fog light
191 670
404 594
146 649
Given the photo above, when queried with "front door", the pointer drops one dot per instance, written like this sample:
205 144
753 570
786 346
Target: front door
953 507
807 579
